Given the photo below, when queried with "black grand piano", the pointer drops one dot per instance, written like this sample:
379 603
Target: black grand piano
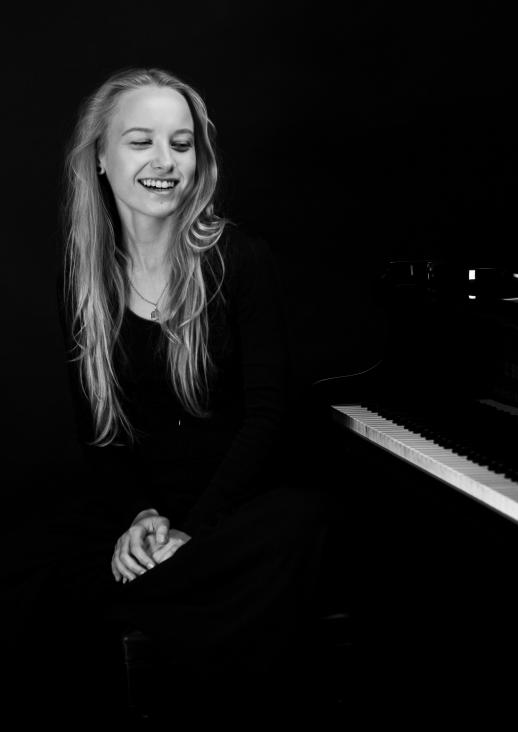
423 445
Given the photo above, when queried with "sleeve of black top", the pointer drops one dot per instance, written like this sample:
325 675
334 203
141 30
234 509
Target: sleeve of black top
257 303
102 467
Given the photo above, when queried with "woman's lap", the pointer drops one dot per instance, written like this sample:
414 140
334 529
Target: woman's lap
235 592
260 563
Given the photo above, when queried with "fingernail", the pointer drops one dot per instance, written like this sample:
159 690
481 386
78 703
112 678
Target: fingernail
150 565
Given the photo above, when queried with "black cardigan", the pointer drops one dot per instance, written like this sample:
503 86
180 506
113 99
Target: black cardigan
195 470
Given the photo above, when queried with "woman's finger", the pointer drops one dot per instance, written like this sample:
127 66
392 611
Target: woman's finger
180 536
118 569
161 533
123 570
168 550
115 571
123 562
164 552
151 544
159 525
136 547
126 557
164 555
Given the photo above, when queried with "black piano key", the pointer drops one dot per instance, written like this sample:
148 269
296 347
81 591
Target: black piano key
477 431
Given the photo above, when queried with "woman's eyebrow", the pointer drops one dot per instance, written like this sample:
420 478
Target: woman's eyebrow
149 130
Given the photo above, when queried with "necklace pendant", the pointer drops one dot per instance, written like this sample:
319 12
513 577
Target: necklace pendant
154 314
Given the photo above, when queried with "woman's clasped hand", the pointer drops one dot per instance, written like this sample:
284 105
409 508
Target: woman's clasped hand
148 541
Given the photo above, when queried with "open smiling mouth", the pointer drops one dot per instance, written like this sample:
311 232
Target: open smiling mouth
162 188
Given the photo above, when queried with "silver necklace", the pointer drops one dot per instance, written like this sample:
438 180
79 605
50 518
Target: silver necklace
155 313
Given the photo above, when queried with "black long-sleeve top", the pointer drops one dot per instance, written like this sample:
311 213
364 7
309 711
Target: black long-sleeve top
196 470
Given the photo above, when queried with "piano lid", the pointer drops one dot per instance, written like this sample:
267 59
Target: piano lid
452 331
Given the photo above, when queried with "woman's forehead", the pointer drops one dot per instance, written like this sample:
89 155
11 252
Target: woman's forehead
151 107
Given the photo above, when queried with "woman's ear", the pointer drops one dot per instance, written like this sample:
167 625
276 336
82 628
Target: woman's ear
100 159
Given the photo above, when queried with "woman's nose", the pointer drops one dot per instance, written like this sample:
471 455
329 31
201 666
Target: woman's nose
164 158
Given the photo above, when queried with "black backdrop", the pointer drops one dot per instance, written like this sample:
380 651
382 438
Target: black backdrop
348 133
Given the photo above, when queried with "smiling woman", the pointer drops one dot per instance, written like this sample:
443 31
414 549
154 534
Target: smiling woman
157 154
182 522
140 129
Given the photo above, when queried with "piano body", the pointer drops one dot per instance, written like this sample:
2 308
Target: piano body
427 444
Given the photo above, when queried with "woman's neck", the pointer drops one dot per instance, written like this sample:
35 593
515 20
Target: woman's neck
147 269
147 240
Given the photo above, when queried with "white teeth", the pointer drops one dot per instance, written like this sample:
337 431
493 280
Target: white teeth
152 183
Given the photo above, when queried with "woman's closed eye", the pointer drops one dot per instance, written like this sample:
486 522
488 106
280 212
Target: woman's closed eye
182 146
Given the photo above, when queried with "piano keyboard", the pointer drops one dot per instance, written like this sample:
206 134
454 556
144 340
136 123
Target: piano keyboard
479 482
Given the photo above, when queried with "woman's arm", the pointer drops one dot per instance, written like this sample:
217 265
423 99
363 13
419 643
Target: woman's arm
252 461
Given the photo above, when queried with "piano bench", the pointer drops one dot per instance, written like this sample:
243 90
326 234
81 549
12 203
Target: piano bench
150 673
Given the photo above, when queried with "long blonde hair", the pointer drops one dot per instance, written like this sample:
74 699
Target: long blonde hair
96 284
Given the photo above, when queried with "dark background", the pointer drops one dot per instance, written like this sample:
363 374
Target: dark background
348 134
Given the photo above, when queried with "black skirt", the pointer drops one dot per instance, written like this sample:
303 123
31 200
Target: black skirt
230 606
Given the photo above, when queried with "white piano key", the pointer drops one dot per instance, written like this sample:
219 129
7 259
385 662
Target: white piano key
478 481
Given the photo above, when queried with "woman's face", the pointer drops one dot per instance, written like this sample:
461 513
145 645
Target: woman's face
149 154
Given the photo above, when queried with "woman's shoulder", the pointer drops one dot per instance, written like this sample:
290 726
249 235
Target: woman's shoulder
243 249
251 269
